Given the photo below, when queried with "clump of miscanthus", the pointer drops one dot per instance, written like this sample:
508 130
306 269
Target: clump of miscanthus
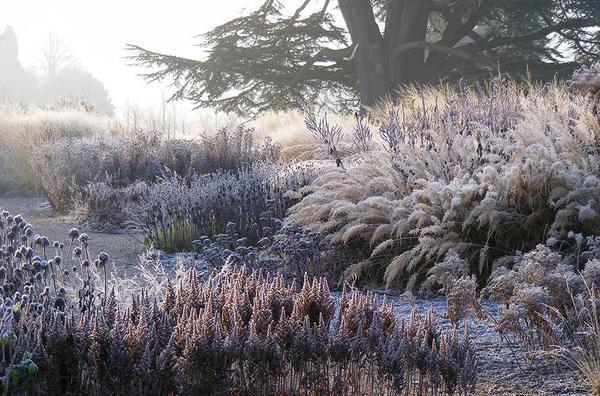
483 171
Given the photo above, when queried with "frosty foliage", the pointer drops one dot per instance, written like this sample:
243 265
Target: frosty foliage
544 299
238 332
65 167
587 80
484 171
175 212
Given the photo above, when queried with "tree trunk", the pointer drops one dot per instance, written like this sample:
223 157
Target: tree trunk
370 53
380 74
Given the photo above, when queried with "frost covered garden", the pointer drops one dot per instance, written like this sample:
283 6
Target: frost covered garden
265 260
312 197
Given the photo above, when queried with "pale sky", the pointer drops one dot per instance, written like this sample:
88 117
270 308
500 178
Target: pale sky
97 31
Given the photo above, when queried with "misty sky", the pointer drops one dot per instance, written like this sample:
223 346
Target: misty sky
98 30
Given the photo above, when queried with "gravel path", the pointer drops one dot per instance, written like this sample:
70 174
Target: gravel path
500 374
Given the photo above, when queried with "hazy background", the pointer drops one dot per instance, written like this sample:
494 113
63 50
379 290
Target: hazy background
96 32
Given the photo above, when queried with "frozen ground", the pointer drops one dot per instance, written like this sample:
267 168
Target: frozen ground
502 373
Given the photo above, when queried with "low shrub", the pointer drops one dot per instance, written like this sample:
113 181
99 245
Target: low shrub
177 211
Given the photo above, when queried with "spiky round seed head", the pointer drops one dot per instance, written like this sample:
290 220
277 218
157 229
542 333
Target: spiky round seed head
74 233
56 244
103 258
77 252
61 245
85 263
83 239
57 260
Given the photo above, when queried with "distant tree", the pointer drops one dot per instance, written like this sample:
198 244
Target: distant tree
273 59
16 83
55 56
79 85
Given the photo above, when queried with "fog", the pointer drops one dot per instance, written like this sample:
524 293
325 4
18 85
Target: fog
97 32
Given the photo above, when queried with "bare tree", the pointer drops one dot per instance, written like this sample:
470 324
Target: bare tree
55 56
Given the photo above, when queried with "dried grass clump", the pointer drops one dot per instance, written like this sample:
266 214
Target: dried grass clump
176 211
23 128
586 80
239 332
484 172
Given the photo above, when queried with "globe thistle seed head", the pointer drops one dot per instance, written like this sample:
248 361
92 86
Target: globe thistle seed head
74 234
56 244
85 263
61 245
84 239
57 260
103 258
77 252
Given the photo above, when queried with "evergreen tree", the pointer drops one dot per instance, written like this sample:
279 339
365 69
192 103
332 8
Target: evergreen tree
275 59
